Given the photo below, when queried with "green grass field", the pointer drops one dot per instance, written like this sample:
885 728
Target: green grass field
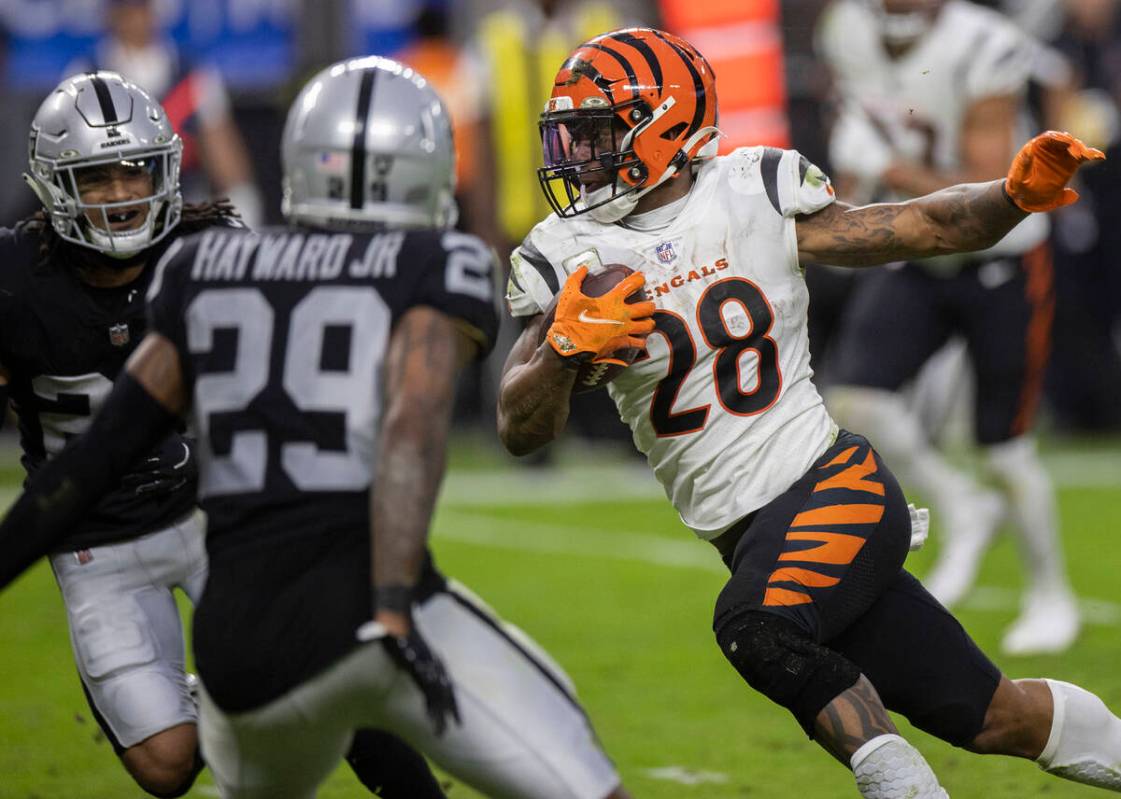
596 567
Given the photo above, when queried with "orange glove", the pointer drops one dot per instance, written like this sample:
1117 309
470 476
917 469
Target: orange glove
599 326
1040 171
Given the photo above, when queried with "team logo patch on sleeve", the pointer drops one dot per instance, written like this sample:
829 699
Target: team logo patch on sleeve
817 179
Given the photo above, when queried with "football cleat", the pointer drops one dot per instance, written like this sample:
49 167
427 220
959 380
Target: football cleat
1048 624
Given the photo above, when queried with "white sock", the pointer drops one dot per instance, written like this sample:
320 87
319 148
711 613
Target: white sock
1085 741
887 767
895 432
1031 499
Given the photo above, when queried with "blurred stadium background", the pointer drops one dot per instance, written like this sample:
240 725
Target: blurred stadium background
578 545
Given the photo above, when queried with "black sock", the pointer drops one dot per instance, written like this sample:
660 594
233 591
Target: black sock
391 768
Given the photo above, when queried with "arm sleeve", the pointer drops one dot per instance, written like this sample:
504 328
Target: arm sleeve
59 494
460 279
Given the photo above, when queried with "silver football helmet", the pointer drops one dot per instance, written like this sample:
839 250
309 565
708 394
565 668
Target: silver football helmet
89 128
368 142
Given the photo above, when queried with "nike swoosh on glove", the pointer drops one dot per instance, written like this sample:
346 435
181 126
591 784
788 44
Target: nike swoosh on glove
165 472
595 327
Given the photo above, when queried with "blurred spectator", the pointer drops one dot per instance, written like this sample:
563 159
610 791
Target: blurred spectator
520 46
384 27
215 161
433 53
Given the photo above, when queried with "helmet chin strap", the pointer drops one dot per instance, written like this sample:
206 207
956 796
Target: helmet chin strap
613 211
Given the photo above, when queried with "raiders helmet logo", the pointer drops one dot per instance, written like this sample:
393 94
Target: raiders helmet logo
118 334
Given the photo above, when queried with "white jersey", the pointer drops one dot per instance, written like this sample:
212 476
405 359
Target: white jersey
724 407
914 106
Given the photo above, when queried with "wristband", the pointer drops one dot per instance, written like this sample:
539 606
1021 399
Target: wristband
1007 196
394 598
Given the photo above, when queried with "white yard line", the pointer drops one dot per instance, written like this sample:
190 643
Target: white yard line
474 527
621 481
1084 469
610 482
519 535
685 776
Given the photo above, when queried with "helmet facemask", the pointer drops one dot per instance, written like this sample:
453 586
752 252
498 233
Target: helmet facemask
589 158
118 228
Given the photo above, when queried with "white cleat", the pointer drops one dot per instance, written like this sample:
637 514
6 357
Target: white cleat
1049 624
966 532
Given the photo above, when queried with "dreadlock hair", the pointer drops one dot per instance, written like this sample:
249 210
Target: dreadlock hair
194 217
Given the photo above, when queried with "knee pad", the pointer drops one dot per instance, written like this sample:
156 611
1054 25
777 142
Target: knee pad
782 662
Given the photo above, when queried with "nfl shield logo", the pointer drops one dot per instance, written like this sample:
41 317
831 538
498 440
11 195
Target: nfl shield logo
118 334
665 252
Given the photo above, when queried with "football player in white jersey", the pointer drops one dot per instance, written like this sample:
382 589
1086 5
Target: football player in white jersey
937 99
818 613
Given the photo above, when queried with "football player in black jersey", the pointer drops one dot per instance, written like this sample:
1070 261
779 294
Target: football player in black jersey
318 366
104 161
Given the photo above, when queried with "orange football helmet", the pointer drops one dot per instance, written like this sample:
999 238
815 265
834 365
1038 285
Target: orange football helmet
629 110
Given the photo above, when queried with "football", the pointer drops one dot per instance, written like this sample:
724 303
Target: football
591 376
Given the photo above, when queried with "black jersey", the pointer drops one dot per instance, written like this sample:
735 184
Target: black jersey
281 337
63 343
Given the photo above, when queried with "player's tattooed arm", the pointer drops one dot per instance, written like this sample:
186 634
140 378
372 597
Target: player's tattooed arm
422 364
963 218
533 396
854 717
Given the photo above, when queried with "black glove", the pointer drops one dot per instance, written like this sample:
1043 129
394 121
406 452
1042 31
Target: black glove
165 472
411 653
